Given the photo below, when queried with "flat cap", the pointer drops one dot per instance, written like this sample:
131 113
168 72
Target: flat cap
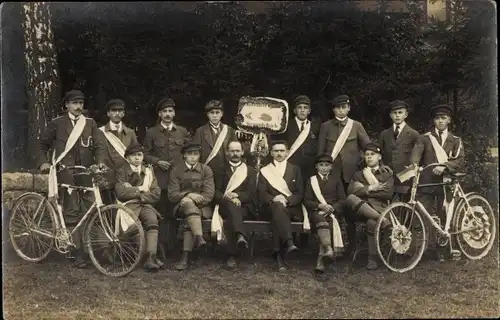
165 103
191 147
372 146
73 95
398 104
134 147
302 99
340 100
213 104
442 109
324 158
114 104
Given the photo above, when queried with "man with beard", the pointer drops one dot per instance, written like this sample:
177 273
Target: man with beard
71 139
118 137
162 148
281 189
214 136
191 188
235 190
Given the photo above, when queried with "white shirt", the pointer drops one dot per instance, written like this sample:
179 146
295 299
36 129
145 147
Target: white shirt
115 126
280 167
190 167
444 135
300 122
401 126
169 127
341 120
73 118
234 165
136 169
322 176
375 168
218 127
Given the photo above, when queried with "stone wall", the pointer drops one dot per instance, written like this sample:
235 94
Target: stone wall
16 183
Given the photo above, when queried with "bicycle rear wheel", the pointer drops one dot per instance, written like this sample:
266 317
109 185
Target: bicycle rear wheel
474 244
115 252
401 246
32 227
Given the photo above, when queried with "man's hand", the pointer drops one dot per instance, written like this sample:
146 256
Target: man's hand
230 196
377 187
326 208
183 201
196 197
143 189
127 185
438 170
280 198
45 167
164 165
236 201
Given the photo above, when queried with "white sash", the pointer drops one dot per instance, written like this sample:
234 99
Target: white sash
339 144
279 184
239 175
115 142
122 218
336 231
369 176
73 137
218 143
300 140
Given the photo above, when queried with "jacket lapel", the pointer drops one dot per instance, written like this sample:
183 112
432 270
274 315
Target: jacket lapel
402 134
69 124
208 135
289 174
447 142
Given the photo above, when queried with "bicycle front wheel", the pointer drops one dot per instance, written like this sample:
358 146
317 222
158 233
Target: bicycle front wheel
476 215
401 245
32 227
115 240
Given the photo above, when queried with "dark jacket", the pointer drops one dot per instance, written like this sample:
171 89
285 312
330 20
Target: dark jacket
124 175
204 136
247 191
293 179
379 199
332 190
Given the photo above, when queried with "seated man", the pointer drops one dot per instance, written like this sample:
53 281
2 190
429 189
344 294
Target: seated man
136 185
281 189
324 198
235 190
369 192
191 189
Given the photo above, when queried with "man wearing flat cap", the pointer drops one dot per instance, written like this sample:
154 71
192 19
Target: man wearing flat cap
71 139
438 145
214 136
162 148
118 137
137 187
324 200
397 143
344 139
191 188
369 193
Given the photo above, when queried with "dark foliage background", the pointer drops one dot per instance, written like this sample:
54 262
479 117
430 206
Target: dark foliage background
141 52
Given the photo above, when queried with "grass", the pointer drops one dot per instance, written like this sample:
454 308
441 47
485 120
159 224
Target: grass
55 290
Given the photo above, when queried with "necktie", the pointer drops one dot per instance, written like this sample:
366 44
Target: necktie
396 132
302 126
440 137
73 121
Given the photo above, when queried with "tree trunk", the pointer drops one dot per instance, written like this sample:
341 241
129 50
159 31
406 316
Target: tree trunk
42 75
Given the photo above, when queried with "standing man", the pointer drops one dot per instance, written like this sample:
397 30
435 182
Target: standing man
397 143
281 191
438 145
191 189
162 148
118 137
214 136
344 139
71 139
235 190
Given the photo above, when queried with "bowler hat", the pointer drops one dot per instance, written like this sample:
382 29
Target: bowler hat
302 99
324 158
165 103
133 148
339 100
441 109
73 95
115 104
191 147
213 104
398 104
372 146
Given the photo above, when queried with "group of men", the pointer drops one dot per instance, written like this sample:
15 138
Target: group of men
317 174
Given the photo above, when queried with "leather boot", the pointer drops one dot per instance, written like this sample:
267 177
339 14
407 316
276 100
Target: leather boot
82 259
290 246
280 262
159 262
150 263
372 263
183 263
328 252
320 266
372 253
242 242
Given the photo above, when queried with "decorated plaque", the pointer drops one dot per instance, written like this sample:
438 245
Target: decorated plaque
262 115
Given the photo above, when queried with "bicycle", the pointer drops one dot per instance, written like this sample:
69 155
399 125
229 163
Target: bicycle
37 226
470 224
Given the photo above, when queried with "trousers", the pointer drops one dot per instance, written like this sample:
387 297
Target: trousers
234 226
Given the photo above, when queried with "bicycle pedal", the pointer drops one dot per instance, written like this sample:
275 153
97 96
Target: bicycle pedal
455 254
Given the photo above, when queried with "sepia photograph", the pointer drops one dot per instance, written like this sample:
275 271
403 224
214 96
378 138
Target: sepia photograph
250 159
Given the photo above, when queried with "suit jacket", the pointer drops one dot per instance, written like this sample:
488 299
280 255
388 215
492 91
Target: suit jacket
124 175
160 144
350 157
204 136
293 179
423 154
88 150
379 199
396 153
305 156
332 190
112 159
247 191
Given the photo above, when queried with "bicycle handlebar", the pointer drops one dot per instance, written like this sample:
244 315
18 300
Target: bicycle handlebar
430 166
